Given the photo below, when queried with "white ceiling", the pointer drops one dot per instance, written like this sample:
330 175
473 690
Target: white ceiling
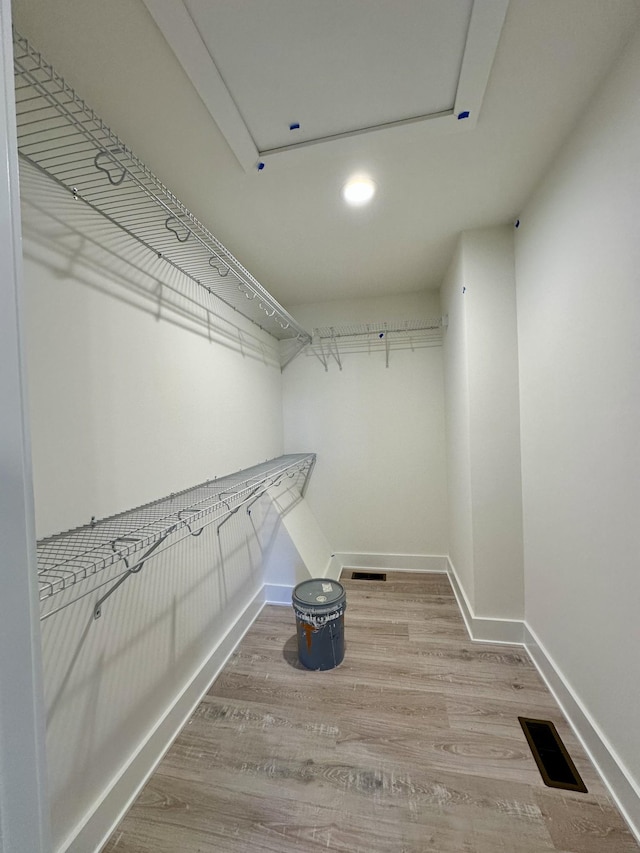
278 75
312 63
287 223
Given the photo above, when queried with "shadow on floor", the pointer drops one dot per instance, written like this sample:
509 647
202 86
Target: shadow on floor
290 653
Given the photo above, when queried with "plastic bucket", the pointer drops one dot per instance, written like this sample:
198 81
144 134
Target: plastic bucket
319 605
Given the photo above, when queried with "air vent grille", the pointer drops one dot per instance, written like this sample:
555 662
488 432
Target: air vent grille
554 762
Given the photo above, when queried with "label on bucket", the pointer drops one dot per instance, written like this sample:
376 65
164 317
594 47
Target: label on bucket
318 622
321 597
326 587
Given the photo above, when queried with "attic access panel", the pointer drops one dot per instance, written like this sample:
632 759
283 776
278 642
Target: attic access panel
278 75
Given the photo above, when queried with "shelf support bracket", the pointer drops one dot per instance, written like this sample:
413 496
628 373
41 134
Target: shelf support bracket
333 349
234 511
97 610
307 477
322 356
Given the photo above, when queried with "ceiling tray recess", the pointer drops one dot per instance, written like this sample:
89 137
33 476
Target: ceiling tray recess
283 75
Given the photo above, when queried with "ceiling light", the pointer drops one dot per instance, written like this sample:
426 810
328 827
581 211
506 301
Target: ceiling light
358 191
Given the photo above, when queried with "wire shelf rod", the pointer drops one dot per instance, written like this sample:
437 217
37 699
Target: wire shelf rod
75 556
367 329
330 341
60 133
126 571
158 250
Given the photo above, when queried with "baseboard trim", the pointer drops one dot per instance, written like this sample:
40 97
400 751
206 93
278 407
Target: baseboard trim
98 825
480 628
278 593
621 786
389 562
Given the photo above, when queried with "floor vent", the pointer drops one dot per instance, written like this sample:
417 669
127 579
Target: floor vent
368 576
554 762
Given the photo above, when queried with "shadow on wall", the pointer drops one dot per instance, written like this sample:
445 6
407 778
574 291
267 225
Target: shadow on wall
109 681
74 241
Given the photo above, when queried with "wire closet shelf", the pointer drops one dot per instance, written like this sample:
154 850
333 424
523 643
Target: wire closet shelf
76 563
330 342
61 135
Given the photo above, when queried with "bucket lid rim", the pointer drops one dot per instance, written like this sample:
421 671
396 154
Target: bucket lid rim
316 589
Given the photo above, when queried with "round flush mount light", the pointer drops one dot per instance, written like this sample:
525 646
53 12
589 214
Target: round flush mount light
358 191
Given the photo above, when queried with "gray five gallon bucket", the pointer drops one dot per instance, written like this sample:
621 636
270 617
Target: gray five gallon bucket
319 605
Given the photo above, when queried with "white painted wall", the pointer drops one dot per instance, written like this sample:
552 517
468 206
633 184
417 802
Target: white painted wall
483 450
24 807
298 548
494 422
132 399
458 451
577 259
380 483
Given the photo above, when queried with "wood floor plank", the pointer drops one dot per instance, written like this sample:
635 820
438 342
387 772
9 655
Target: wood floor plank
583 825
412 745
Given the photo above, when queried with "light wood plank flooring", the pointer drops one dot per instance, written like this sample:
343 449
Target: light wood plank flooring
412 745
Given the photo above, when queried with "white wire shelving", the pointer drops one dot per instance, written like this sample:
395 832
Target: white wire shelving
331 342
77 563
62 136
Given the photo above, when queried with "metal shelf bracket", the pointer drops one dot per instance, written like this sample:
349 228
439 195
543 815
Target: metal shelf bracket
97 610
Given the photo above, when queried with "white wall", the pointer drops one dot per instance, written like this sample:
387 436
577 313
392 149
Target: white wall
24 813
494 422
132 399
577 260
380 484
458 451
298 549
483 449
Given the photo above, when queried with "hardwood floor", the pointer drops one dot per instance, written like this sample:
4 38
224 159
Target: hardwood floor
411 745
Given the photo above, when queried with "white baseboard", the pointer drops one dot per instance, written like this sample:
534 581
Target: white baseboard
480 628
98 825
389 562
622 788
619 782
94 831
278 593
281 593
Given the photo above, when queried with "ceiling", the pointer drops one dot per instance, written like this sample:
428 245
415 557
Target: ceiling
206 110
280 75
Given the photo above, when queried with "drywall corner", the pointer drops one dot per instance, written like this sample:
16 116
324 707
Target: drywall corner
482 629
298 548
